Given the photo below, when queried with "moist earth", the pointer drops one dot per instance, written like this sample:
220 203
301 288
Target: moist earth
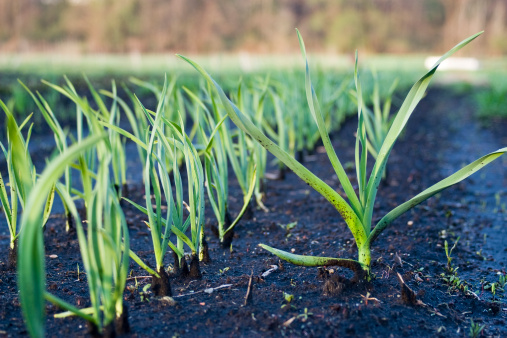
440 138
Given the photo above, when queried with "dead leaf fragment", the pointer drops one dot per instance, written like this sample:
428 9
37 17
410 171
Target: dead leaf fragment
289 321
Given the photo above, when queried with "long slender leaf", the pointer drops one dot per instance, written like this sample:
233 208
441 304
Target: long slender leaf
31 266
415 95
317 115
457 177
320 186
310 260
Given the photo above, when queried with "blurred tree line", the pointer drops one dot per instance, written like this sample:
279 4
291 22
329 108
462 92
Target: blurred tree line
259 26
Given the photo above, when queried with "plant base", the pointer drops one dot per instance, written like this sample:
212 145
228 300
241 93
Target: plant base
180 267
262 188
107 332
227 239
360 275
300 157
281 173
161 287
121 323
249 212
195 270
205 251
69 224
12 260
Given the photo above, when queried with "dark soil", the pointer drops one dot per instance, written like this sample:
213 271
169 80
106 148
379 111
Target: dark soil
440 138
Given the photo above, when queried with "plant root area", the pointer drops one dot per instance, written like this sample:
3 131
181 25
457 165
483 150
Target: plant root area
246 291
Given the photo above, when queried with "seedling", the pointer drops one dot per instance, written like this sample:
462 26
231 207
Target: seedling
257 97
502 279
288 298
159 227
22 177
224 270
163 151
78 273
219 147
358 213
145 294
288 227
304 316
493 287
61 144
479 253
31 265
475 329
448 255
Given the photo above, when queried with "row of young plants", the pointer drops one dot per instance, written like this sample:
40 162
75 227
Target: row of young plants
189 131
357 212
165 147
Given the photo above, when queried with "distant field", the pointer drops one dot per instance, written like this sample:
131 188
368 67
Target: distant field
229 68
35 66
154 63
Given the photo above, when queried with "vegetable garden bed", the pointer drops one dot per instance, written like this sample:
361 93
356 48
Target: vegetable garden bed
297 301
431 274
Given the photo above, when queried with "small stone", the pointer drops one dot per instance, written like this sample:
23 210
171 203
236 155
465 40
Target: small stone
168 301
53 256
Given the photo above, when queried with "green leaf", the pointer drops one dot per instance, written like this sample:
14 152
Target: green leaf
248 199
72 310
415 95
49 205
31 265
142 264
319 119
7 208
457 177
311 260
21 161
244 123
184 238
139 207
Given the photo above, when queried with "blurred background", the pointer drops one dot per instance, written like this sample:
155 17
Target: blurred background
253 26
123 38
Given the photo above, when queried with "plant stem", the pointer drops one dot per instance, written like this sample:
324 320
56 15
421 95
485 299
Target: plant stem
364 258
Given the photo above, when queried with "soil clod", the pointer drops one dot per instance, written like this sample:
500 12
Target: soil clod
335 285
